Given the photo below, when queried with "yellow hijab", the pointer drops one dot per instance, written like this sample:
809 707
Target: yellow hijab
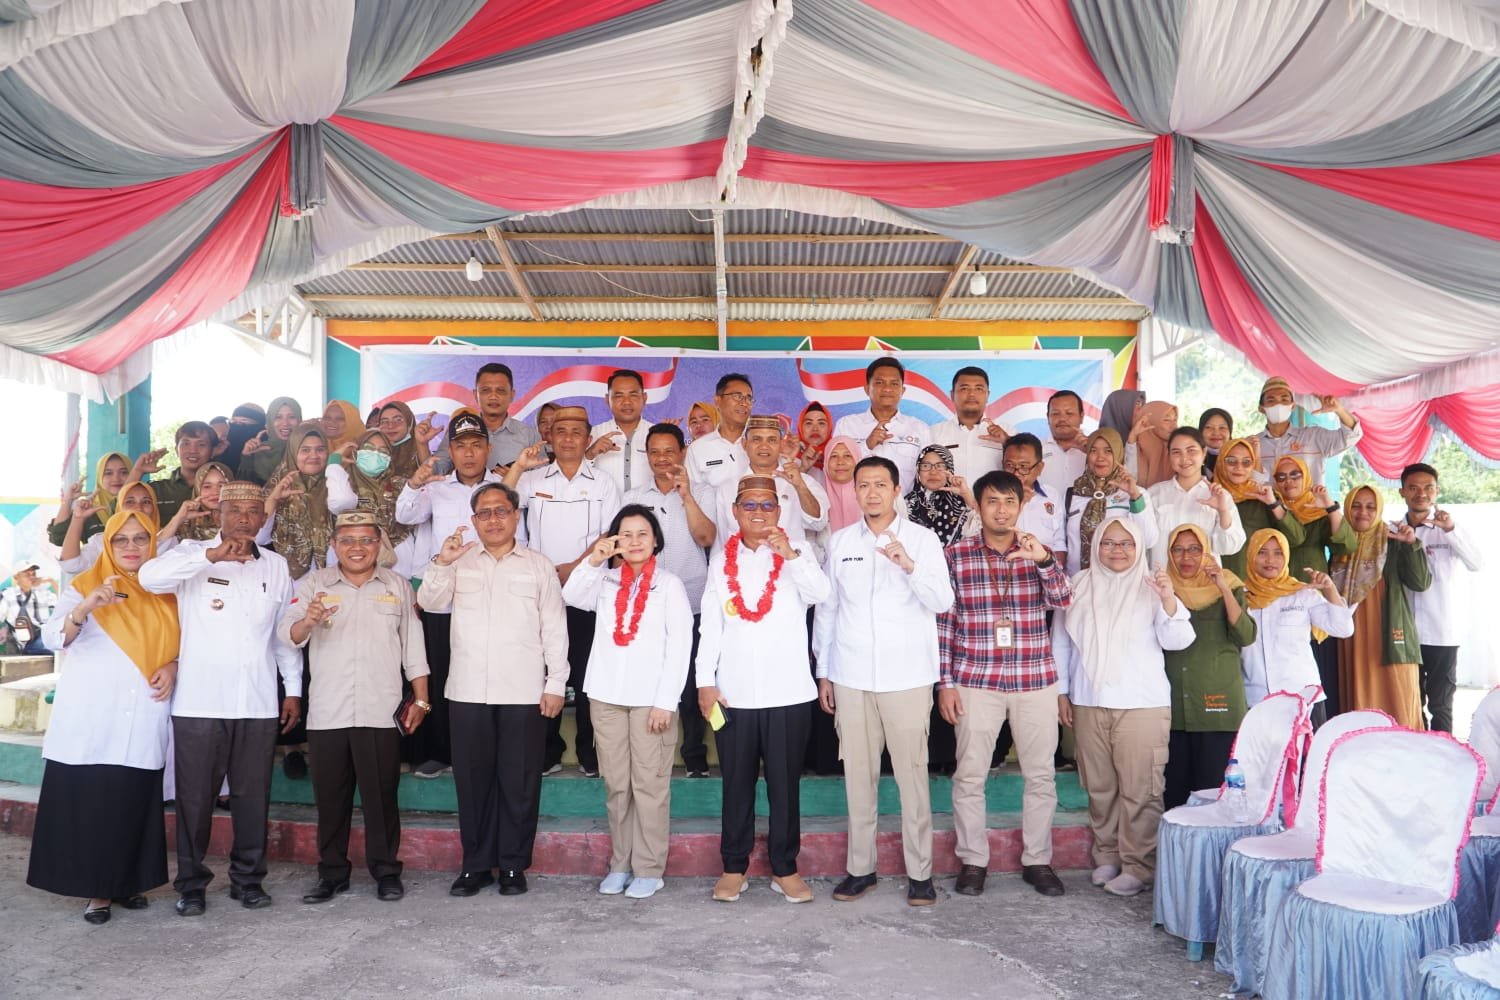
1306 507
1249 489
1196 591
1259 590
155 517
708 408
354 426
103 498
1357 573
144 625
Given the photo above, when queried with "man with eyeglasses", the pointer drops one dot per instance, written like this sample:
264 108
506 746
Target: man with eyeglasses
803 501
509 678
619 446
1041 512
974 442
717 458
882 429
359 624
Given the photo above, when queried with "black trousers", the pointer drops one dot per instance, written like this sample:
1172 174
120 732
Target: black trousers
694 751
207 751
298 734
580 642
823 738
1326 653
777 739
497 773
1439 672
1194 761
433 739
368 759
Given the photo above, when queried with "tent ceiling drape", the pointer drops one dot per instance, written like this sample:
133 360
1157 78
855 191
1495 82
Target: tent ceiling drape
1325 200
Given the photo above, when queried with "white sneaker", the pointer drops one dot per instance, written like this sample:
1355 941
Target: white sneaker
644 888
614 883
1103 874
554 769
1124 884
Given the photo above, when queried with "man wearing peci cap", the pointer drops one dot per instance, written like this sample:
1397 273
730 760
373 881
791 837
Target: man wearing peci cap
1314 445
231 597
802 501
436 505
359 623
568 504
510 671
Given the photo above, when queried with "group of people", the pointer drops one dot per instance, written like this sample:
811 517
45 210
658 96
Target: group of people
820 593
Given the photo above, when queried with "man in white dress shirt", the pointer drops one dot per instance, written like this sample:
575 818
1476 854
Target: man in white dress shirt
882 429
975 442
618 448
803 501
436 505
1314 445
1450 551
231 597
877 649
752 665
568 504
1063 452
717 458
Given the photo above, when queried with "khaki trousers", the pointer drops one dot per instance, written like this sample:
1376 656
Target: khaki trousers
897 720
636 765
1122 759
1033 725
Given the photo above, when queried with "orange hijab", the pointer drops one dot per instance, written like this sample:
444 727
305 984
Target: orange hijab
1197 591
1306 507
144 625
354 426
1249 489
1259 590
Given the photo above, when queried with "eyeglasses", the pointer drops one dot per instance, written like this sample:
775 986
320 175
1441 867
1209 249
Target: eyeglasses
1121 546
1238 463
931 467
1192 550
738 397
491 513
351 541
1282 477
764 506
1018 468
130 541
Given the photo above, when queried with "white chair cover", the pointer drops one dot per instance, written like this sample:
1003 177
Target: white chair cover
1192 840
1260 871
1396 810
1484 737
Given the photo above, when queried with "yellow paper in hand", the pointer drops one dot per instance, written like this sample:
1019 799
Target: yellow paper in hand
716 717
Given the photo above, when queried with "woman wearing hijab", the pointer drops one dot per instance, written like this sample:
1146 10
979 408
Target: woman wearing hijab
1257 502
1150 435
197 520
1106 489
938 499
397 422
262 454
1120 411
341 426
1208 693
318 492
376 485
1217 428
1285 613
1118 701
245 423
136 496
702 418
1377 572
814 428
110 475
838 467
99 830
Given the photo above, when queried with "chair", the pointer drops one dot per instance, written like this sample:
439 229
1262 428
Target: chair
1191 840
1484 737
1260 871
1396 810
1204 796
1479 877
1467 972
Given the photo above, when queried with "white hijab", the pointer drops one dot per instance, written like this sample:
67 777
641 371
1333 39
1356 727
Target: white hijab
1108 607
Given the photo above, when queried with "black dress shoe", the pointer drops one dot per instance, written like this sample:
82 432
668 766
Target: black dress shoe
251 897
294 765
325 890
389 888
512 883
468 883
853 887
1043 879
919 892
97 914
136 902
970 880
191 903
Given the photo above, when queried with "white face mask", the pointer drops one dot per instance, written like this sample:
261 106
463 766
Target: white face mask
1279 414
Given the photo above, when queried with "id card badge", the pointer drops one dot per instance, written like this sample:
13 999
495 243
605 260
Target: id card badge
1005 633
22 631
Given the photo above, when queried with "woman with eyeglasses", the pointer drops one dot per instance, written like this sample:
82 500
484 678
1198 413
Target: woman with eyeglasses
409 440
1116 697
1208 693
637 667
99 830
1256 501
939 498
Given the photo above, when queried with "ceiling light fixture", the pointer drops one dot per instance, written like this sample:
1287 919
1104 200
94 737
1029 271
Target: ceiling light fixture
979 282
473 270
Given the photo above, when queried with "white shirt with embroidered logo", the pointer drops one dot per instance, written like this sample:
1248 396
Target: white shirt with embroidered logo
908 437
564 516
713 460
652 668
798 524
974 454
628 465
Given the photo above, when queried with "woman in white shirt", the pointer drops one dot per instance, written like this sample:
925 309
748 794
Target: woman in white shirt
99 830
1286 612
1105 490
637 667
1118 700
1189 498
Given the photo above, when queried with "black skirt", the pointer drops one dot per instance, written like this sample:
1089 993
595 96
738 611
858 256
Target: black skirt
99 833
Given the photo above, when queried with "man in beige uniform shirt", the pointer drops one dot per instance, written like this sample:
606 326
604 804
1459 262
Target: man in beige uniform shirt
509 675
364 634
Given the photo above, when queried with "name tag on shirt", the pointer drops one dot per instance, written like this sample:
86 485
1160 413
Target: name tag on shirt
717 461
388 598
217 582
1005 633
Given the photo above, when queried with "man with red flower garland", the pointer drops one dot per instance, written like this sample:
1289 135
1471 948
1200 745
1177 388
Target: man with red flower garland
755 684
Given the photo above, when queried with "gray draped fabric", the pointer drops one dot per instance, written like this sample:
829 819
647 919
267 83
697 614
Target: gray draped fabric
390 38
712 125
425 202
1135 47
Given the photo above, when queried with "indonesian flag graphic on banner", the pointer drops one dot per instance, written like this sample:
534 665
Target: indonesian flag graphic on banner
589 382
848 386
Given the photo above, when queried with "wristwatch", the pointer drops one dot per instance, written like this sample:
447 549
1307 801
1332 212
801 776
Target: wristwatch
424 706
1332 507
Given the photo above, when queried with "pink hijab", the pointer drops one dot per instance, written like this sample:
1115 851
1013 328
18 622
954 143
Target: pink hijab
843 506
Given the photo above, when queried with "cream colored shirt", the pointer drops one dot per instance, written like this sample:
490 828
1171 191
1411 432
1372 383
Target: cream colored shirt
360 654
510 629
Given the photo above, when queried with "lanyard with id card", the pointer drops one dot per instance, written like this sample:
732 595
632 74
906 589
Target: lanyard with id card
1005 628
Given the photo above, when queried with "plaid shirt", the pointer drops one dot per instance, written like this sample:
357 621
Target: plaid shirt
987 587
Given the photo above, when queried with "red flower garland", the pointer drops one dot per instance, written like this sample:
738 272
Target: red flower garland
624 636
732 574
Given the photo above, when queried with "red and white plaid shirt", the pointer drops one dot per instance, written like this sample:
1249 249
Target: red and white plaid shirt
987 588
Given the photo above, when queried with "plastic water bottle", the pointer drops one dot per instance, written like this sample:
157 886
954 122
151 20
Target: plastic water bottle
1234 793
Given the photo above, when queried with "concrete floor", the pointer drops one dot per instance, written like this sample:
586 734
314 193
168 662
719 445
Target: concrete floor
565 939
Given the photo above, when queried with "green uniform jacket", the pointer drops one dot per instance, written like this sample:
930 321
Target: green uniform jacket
57 532
1405 571
1208 692
1313 552
1255 515
172 491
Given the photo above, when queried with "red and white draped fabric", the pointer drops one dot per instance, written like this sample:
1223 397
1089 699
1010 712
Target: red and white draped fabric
1325 199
